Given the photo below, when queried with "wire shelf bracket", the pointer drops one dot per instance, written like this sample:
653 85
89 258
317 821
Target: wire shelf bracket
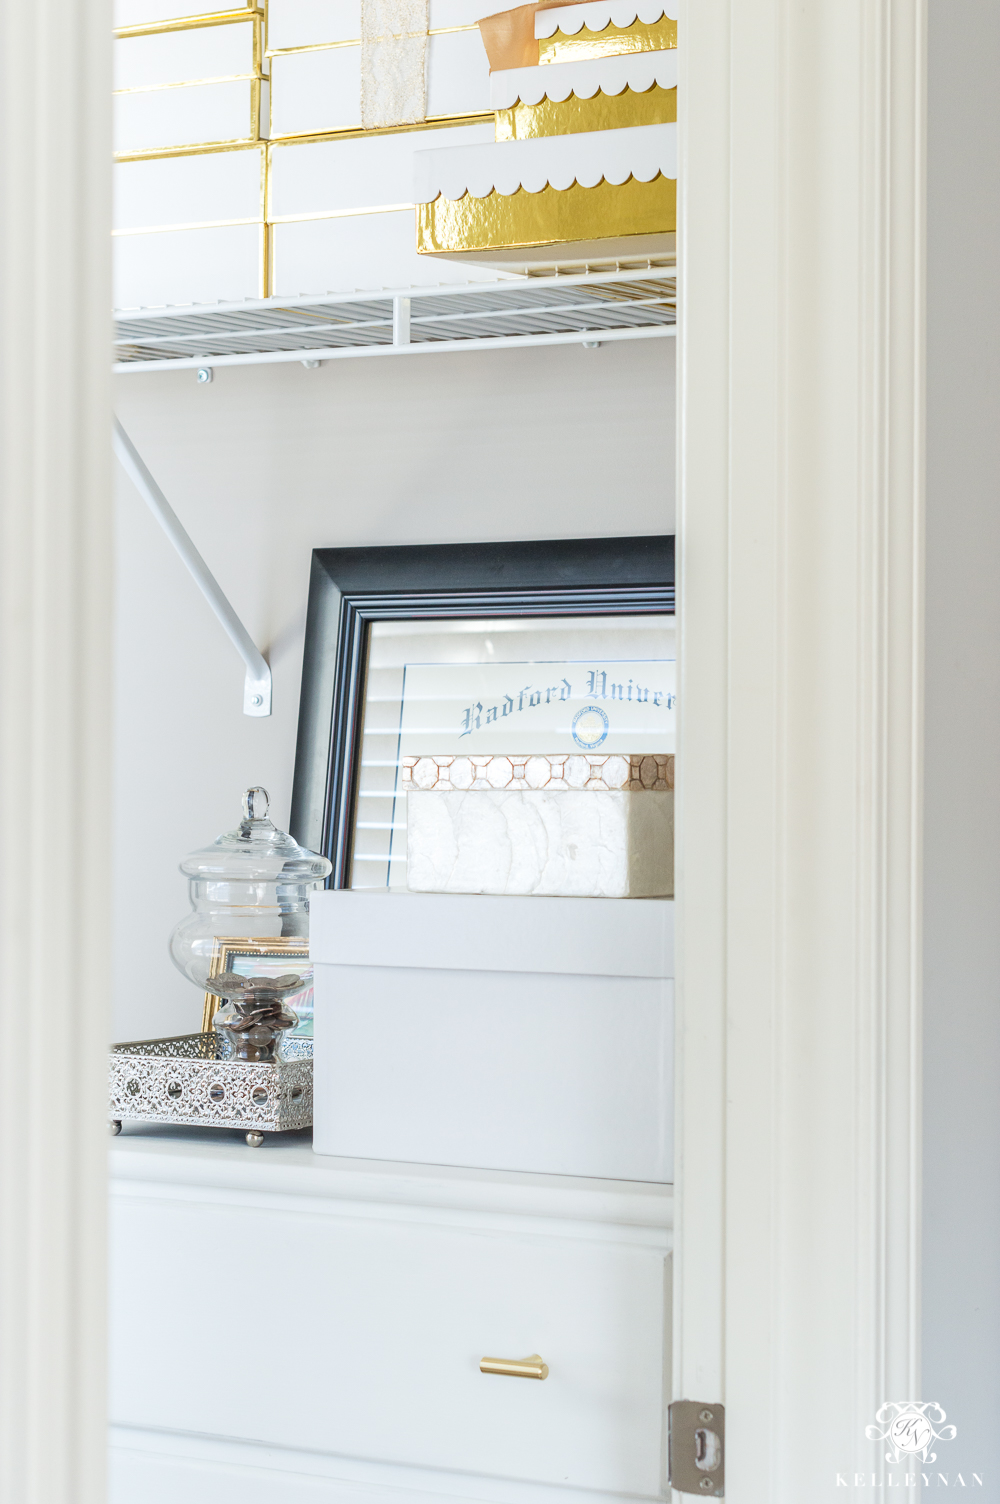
257 687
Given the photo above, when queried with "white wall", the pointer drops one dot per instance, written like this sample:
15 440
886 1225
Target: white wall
269 462
962 852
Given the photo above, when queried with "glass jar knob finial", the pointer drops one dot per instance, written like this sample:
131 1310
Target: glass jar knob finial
256 802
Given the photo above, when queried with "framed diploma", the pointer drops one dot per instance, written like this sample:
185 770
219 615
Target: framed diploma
497 661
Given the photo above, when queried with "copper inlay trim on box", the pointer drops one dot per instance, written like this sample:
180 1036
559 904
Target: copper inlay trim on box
609 772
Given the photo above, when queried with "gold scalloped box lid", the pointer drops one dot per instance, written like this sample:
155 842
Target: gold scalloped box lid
633 773
606 192
604 28
608 93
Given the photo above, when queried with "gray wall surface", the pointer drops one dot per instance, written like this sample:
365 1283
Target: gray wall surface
961 1353
268 463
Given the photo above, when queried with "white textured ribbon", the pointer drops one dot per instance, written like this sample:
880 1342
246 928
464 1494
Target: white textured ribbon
393 62
638 151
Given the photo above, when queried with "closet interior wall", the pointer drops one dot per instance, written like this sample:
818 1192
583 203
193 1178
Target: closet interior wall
267 463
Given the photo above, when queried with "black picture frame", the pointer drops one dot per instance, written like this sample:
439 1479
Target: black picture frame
350 588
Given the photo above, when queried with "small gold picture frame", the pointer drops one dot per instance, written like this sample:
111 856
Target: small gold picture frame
254 958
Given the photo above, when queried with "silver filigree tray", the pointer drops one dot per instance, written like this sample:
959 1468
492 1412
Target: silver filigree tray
192 1079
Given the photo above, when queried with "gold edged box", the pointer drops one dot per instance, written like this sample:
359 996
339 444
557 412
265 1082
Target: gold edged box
602 112
555 216
596 189
613 41
584 158
557 32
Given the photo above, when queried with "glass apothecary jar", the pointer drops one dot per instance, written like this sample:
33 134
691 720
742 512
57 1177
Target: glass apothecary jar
251 885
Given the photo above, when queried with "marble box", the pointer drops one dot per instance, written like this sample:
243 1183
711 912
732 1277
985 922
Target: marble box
582 826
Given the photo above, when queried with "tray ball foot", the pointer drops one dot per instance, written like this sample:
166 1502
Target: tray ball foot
114 1126
255 1139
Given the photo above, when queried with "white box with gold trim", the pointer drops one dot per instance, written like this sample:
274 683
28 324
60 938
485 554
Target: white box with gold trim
315 56
188 229
193 115
130 13
342 213
198 54
194 85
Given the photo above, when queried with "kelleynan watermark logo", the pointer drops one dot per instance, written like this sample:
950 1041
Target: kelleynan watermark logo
911 1428
908 1427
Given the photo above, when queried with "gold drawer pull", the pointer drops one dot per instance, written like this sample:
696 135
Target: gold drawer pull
531 1367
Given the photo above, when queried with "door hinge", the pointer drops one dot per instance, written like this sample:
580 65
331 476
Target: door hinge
697 1448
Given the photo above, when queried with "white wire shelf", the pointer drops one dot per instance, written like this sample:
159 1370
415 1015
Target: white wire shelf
551 310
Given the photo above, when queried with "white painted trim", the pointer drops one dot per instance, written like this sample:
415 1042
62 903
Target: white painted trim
55 753
209 1470
164 1164
799 761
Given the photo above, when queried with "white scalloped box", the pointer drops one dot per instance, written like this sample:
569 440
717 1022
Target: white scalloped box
642 152
192 116
637 71
597 15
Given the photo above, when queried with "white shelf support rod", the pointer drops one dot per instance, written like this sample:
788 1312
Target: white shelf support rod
400 321
257 689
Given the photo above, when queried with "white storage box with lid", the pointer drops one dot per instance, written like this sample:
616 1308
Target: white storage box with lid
503 1033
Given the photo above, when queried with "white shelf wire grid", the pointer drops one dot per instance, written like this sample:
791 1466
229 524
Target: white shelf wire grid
537 310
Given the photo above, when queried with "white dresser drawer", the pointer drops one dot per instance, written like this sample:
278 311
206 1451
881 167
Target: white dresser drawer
334 1323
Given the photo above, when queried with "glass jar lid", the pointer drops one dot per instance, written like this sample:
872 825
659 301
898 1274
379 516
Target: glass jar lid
256 851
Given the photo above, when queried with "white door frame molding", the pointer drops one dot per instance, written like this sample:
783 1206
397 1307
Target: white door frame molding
55 746
800 576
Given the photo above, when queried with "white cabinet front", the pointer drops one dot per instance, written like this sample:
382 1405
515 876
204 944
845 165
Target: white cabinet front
361 1335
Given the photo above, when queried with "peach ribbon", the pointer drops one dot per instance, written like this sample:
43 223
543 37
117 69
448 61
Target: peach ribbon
509 37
